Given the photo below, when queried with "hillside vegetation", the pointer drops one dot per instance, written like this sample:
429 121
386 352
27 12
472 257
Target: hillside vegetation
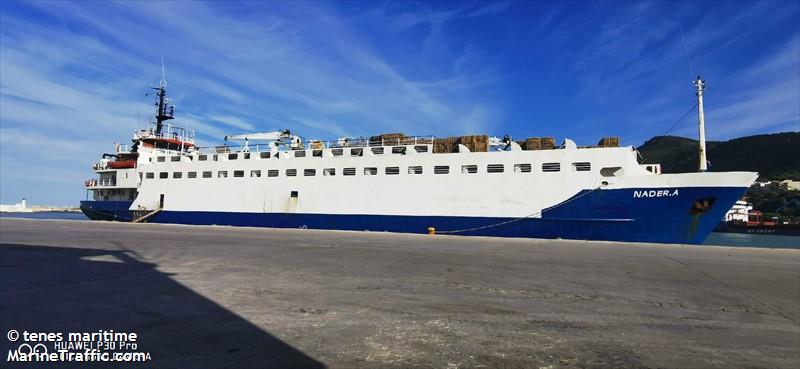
774 156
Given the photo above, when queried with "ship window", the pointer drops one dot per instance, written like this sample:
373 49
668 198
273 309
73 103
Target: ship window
392 170
309 172
215 157
377 150
399 150
202 157
441 169
349 171
582 166
238 173
551 167
337 152
222 174
495 168
300 154
421 148
329 172
357 152
207 174
370 171
247 155
191 175
291 172
522 168
316 153
264 155
163 175
233 156
416 169
272 173
160 159
150 175
177 174
469 169
175 158
255 173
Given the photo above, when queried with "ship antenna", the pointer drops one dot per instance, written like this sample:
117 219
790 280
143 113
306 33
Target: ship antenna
164 112
700 86
163 82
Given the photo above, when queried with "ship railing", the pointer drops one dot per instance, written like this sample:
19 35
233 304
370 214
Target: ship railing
321 144
169 131
94 182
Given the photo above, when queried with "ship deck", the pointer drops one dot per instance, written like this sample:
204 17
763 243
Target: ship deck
205 296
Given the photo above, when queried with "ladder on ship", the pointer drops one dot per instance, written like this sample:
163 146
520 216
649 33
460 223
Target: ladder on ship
145 217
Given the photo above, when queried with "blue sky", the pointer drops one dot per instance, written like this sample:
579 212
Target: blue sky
73 74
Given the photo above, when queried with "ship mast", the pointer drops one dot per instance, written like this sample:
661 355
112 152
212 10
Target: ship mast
164 111
700 85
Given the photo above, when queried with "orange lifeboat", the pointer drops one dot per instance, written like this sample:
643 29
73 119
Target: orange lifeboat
122 164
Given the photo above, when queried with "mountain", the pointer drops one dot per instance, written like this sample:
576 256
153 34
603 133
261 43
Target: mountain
773 156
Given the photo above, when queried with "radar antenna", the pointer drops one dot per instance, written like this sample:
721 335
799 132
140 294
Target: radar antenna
164 111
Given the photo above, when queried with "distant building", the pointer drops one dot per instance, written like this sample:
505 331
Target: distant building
789 185
20 207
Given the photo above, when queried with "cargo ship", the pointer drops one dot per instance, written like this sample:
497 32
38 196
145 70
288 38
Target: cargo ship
468 185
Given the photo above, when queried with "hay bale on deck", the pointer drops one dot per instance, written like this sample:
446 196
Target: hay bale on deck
609 142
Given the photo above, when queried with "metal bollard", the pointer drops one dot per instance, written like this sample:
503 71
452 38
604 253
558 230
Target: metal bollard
431 231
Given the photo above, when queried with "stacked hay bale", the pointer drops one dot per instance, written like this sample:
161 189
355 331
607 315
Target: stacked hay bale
609 142
532 143
388 139
548 143
537 143
445 145
475 143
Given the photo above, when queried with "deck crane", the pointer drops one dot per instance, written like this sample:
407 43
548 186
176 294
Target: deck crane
279 138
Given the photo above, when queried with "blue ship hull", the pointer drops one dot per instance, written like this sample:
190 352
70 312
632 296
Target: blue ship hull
107 210
664 216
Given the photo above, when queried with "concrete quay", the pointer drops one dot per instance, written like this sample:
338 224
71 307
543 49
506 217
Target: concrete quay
213 297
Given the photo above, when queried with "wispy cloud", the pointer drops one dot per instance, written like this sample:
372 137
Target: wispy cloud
74 74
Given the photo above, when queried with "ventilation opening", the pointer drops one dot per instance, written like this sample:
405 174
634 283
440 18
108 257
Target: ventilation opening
611 171
583 166
702 206
551 167
469 169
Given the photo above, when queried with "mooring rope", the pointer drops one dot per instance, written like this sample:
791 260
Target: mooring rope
522 218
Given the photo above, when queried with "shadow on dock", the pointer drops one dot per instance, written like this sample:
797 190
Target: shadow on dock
54 289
